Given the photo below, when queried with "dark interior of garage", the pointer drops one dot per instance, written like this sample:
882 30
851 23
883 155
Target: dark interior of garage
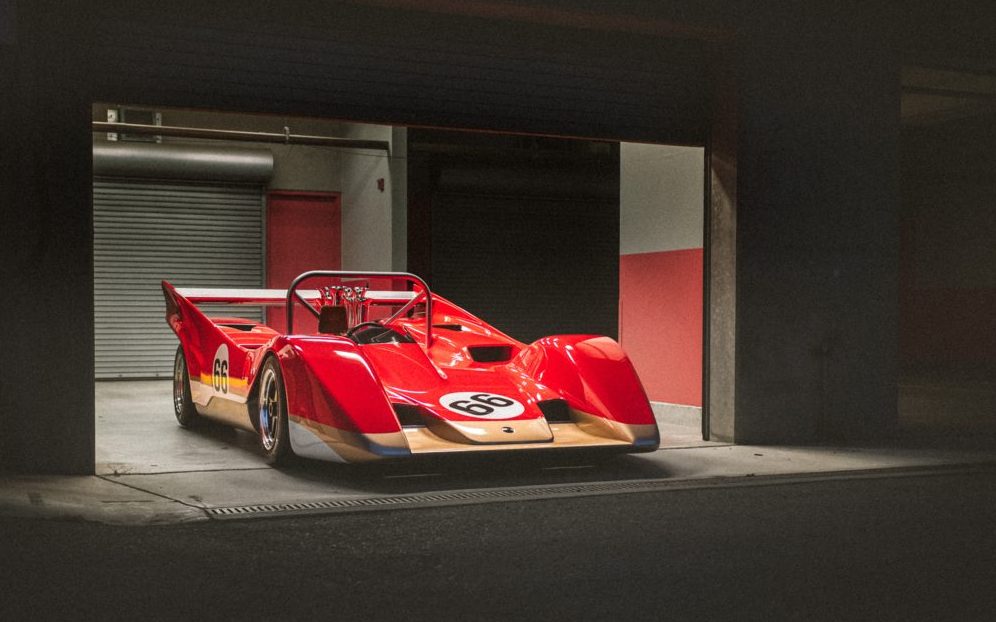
536 218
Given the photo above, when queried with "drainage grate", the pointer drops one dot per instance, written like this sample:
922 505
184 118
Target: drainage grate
456 497
432 498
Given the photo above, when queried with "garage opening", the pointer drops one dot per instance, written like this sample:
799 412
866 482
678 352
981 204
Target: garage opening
536 235
947 254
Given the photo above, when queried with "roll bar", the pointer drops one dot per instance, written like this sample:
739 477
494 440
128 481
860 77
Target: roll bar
293 293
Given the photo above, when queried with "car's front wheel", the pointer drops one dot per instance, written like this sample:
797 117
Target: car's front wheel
183 404
274 437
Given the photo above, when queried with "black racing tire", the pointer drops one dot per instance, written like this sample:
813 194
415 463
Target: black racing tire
271 414
183 404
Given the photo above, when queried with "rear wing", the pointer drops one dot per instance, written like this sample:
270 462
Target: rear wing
355 298
276 297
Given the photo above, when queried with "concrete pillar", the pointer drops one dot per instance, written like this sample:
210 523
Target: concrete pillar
817 203
46 264
398 168
720 300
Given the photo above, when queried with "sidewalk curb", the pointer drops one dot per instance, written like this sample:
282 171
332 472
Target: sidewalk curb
122 504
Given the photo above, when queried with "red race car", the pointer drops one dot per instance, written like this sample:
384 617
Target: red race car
394 372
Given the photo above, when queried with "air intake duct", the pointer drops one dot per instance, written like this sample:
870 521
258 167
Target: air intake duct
409 415
490 354
555 411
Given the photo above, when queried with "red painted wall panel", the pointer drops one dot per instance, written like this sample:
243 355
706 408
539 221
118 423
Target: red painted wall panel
949 326
303 232
660 322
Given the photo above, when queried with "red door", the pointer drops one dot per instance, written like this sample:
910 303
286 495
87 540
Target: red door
303 232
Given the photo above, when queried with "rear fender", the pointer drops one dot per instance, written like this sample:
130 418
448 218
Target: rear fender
214 361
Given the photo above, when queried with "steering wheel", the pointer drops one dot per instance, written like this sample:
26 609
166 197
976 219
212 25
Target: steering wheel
361 325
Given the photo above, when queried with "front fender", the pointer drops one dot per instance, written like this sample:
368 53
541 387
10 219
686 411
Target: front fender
329 381
593 373
336 405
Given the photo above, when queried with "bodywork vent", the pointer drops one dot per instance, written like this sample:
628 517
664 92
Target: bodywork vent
408 415
243 327
490 354
555 411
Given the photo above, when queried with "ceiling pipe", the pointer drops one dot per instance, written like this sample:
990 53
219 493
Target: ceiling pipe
257 137
185 161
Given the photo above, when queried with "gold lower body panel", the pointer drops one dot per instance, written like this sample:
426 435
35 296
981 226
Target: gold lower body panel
231 410
349 446
423 441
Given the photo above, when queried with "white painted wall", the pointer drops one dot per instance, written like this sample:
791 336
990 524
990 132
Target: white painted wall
373 220
661 198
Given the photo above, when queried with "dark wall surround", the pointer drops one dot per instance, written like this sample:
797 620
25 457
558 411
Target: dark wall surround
814 156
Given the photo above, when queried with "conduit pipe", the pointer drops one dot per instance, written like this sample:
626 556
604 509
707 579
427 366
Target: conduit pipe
285 138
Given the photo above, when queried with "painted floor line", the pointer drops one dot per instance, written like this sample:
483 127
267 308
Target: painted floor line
182 471
150 492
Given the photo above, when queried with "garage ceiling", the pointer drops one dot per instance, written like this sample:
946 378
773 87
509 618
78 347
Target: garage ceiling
380 65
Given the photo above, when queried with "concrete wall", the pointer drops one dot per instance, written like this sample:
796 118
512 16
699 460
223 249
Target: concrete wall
373 219
661 211
46 250
660 198
817 241
295 167
948 293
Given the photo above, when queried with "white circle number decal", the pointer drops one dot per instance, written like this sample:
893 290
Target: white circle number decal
219 370
482 405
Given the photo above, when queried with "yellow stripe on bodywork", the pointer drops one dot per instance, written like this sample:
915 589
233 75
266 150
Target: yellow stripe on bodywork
234 384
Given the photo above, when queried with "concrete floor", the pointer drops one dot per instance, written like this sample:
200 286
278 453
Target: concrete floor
878 548
137 433
152 471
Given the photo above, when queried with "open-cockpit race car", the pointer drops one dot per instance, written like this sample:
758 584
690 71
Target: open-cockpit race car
394 372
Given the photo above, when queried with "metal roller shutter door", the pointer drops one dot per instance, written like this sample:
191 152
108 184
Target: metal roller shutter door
189 234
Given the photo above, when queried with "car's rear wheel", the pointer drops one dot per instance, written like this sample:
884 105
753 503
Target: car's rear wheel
183 404
274 437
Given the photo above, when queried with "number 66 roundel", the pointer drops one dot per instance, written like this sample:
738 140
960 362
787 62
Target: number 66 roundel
482 405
